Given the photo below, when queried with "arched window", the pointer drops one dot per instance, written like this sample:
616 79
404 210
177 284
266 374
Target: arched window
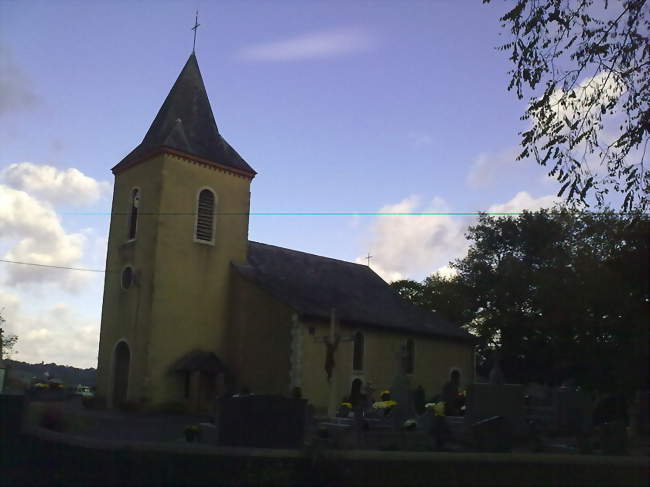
133 216
127 277
409 358
357 358
204 230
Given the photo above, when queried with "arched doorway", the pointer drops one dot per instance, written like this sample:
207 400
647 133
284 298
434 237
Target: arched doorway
121 363
355 391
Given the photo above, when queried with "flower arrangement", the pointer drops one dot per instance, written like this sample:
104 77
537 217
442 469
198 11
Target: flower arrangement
438 408
344 410
384 404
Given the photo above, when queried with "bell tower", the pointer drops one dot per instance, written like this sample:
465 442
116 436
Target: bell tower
180 210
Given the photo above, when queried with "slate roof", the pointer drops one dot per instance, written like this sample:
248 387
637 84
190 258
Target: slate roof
313 285
185 123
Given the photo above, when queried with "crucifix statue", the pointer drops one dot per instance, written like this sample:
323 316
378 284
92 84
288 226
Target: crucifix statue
332 342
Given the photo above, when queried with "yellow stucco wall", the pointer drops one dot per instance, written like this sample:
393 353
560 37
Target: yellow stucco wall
180 301
434 360
260 339
126 314
191 283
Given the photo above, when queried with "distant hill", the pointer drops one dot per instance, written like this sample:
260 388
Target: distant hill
68 375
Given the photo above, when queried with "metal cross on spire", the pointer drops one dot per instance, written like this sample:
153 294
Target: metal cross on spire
368 257
196 26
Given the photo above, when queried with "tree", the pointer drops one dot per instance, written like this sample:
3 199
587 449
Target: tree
591 120
561 294
444 295
8 342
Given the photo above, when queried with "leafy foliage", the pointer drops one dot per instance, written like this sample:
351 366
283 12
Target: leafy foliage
591 120
560 294
8 341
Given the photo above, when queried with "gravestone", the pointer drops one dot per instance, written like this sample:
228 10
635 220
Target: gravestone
613 438
573 411
496 374
262 421
493 435
12 408
504 400
402 394
208 434
641 410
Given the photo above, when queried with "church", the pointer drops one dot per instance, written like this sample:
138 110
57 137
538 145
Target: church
193 309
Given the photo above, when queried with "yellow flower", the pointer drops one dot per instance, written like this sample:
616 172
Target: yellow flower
347 404
384 404
438 408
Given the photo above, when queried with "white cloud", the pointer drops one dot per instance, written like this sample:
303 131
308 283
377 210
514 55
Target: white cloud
603 88
408 245
487 167
314 45
524 201
35 234
414 246
54 334
420 139
69 186
447 271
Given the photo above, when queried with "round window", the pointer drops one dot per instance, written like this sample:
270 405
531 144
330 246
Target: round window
127 277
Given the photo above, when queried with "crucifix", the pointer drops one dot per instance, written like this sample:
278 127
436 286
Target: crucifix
368 257
196 26
331 345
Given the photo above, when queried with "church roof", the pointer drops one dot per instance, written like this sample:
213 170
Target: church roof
313 285
185 124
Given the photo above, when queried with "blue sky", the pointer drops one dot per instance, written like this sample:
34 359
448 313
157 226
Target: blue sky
340 107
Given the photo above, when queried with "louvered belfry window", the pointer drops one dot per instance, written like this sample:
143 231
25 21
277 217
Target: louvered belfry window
133 216
205 216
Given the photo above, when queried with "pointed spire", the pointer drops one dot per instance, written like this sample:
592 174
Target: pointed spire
185 123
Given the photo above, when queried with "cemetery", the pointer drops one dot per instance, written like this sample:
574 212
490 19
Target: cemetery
560 435
225 360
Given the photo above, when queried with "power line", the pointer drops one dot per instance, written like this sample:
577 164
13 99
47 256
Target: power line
324 213
52 266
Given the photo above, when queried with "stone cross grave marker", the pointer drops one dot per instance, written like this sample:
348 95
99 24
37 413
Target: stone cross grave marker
401 392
